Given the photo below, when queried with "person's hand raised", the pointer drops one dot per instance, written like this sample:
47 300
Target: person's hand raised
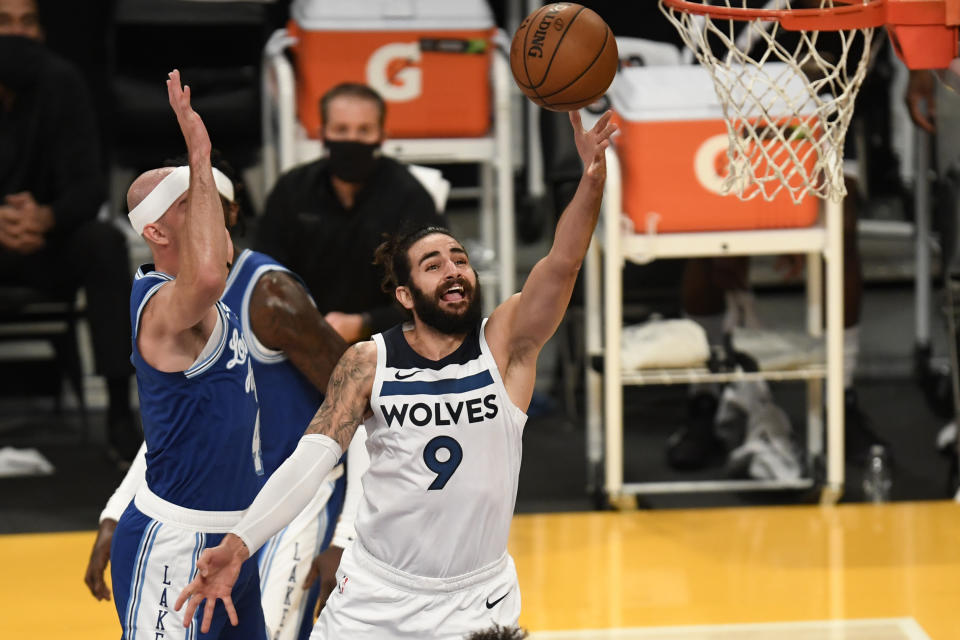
592 144
194 131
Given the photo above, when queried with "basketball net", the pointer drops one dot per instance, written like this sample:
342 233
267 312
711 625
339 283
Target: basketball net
786 102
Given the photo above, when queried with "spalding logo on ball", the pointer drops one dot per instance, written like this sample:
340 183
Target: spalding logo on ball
563 56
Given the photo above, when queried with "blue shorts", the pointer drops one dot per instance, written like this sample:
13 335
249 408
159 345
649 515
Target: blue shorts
151 563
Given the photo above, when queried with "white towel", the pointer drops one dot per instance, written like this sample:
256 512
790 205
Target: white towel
778 350
662 344
23 462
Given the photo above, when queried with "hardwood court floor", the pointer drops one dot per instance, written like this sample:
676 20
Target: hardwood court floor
709 574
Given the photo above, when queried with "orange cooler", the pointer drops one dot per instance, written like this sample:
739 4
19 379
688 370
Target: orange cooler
429 59
673 154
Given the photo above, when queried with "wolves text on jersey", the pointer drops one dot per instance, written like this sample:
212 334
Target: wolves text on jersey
441 413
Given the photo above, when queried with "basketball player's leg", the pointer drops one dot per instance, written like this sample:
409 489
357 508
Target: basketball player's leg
367 605
151 562
285 560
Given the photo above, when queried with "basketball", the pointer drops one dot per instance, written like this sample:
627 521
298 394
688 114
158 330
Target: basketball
563 56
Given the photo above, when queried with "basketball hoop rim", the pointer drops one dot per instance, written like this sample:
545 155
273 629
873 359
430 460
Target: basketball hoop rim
851 14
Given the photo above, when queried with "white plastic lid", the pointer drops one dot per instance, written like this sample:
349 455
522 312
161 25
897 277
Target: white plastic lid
671 93
391 15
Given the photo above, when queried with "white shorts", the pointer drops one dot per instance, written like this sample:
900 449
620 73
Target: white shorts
375 601
285 560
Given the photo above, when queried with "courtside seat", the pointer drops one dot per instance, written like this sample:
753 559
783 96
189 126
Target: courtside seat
217 48
38 346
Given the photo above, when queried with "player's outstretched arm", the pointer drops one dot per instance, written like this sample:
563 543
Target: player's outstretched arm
283 317
290 487
203 243
529 319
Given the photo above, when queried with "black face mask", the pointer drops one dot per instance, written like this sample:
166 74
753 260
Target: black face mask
352 161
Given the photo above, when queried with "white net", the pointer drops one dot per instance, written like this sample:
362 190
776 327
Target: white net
787 96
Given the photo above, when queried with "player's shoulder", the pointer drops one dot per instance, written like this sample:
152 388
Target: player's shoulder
357 366
280 284
500 319
146 282
364 352
497 330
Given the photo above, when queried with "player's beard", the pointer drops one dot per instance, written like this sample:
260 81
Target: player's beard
430 312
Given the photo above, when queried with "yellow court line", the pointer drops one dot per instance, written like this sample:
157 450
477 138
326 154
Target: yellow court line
623 571
743 565
893 629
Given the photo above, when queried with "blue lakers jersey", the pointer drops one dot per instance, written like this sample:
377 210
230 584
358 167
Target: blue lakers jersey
201 425
288 401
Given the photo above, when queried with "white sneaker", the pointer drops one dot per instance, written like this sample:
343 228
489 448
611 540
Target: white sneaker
947 437
769 451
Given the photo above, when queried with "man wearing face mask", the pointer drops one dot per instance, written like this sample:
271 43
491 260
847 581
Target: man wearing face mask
51 187
324 219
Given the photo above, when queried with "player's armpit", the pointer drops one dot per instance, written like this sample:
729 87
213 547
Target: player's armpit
283 317
348 395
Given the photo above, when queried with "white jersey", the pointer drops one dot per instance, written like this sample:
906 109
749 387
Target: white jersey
444 443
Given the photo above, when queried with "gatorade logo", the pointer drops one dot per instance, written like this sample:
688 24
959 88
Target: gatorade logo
394 71
711 165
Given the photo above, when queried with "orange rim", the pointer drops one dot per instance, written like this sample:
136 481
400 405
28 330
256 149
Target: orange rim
849 14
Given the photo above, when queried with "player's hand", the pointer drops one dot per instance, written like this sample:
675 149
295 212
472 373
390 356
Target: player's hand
592 144
34 218
324 567
194 131
217 571
98 560
920 94
19 240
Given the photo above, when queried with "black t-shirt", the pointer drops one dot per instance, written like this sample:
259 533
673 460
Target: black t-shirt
49 143
306 228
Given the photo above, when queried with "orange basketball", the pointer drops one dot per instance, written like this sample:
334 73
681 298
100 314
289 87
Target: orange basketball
563 56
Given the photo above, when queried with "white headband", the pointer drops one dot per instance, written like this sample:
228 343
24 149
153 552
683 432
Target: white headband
173 185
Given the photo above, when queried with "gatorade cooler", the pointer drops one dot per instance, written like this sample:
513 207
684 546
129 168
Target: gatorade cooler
673 154
429 59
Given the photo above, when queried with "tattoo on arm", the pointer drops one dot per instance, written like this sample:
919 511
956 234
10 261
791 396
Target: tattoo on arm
348 395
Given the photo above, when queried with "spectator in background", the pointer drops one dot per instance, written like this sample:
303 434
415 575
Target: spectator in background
324 219
51 187
921 100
